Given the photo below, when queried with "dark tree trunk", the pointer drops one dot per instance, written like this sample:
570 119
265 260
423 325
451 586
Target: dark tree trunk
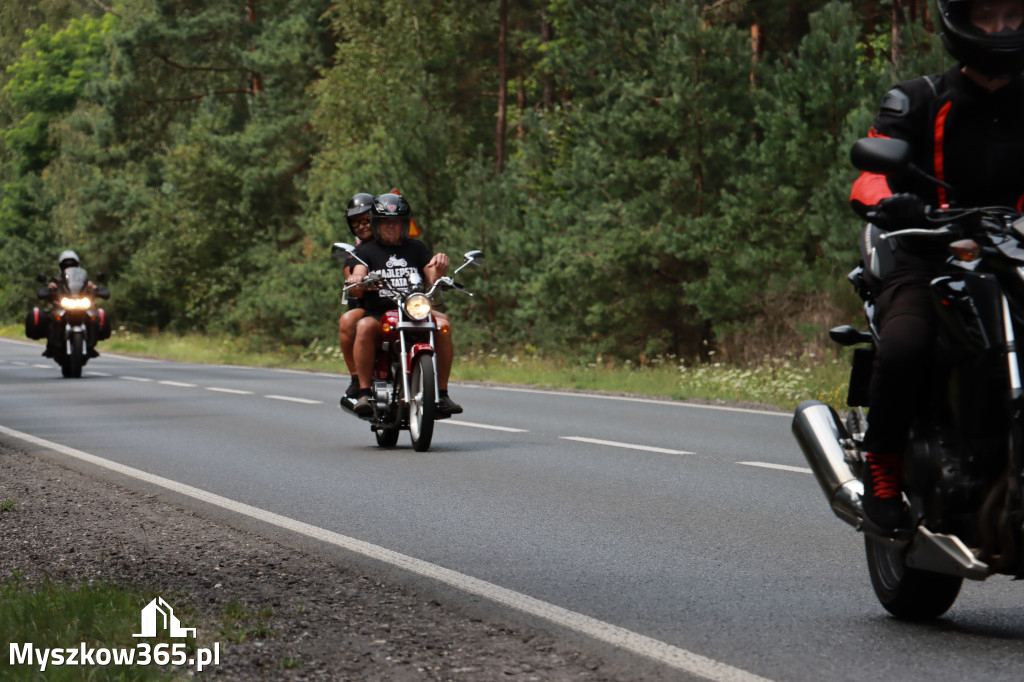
499 133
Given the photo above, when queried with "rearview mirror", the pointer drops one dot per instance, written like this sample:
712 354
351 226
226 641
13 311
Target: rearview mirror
475 257
883 155
342 250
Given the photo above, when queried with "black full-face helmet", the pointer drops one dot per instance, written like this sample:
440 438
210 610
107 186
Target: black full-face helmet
67 259
390 206
996 55
357 205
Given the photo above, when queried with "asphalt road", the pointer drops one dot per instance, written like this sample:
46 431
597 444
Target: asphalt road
698 527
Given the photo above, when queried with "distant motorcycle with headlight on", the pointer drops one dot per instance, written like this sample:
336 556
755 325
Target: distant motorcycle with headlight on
404 385
74 323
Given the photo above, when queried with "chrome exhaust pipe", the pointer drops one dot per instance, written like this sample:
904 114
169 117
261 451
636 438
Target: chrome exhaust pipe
818 431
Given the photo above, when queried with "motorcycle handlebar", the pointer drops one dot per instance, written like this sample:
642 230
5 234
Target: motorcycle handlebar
956 221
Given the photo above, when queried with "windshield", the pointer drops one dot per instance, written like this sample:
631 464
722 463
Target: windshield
74 280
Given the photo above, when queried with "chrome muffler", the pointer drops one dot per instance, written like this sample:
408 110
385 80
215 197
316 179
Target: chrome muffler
818 431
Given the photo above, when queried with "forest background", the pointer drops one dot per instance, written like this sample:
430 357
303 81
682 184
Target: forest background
647 178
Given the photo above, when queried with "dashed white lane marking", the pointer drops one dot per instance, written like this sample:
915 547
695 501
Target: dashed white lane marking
509 429
99 374
304 401
41 366
652 401
780 467
232 391
180 384
669 655
628 446
129 378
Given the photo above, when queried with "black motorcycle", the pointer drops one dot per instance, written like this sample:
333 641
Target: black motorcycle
74 324
964 466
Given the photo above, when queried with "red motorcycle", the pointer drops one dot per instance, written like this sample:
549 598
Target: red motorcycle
405 376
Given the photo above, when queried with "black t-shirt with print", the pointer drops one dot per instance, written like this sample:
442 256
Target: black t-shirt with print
394 263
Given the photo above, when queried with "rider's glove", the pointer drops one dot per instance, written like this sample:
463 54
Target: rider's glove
898 212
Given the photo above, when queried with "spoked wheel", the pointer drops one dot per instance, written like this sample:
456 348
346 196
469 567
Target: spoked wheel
908 593
71 367
387 438
422 403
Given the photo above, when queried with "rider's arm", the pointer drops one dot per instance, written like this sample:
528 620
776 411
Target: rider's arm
436 268
358 273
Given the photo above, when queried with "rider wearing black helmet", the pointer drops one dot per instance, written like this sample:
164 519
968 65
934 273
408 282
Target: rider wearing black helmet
392 253
965 128
357 215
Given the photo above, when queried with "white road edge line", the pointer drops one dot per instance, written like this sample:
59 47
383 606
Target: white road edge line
509 429
233 391
780 467
304 401
628 446
672 656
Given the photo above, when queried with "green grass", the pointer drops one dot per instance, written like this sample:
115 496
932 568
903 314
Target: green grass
60 617
240 623
775 382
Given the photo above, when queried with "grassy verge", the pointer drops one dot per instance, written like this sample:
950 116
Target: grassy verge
51 616
777 382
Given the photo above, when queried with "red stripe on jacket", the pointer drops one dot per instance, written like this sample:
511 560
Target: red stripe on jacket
940 136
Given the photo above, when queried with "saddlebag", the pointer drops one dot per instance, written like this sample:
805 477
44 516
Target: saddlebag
102 325
37 324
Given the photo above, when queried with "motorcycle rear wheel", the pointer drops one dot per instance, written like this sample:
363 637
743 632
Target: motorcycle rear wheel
422 403
908 593
71 367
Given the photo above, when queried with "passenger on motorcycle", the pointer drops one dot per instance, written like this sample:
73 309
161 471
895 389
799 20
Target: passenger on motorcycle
358 217
392 253
966 128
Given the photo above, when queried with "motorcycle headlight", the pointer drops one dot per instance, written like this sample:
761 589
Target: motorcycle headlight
75 303
417 306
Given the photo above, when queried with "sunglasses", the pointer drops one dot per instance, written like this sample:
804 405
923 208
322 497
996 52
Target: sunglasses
365 220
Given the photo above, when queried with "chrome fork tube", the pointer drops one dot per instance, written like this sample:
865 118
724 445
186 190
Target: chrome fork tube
1011 350
405 359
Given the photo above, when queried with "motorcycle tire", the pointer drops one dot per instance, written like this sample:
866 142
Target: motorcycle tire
71 367
422 403
387 438
908 593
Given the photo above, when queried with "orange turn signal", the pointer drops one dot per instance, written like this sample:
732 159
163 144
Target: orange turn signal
966 250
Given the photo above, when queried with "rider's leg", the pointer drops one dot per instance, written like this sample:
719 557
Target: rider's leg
445 351
899 386
347 337
365 354
364 351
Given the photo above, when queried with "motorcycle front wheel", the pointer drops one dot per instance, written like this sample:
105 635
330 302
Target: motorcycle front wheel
908 593
387 438
422 403
71 367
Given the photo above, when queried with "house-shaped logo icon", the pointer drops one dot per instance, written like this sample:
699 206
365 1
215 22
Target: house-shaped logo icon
158 614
